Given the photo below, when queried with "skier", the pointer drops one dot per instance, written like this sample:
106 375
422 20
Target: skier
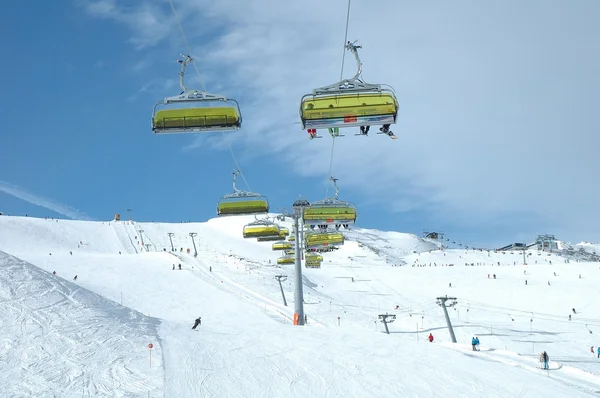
179 266
477 343
173 267
430 338
197 322
473 343
364 130
598 352
574 312
544 359
75 278
53 272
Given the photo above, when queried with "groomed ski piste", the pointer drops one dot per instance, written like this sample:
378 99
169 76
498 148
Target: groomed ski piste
89 337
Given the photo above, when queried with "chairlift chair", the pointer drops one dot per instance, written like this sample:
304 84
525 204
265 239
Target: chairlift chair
286 260
194 110
268 238
312 264
313 257
318 240
282 245
330 211
242 202
350 102
261 229
289 252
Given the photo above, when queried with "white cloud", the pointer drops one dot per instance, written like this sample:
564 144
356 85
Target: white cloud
147 21
498 101
37 200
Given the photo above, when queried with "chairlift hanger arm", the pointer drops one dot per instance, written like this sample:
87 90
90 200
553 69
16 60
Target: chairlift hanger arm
337 191
184 63
354 84
235 174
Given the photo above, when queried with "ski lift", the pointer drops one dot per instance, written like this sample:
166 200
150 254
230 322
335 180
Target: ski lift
331 211
261 229
348 103
286 260
283 232
292 238
195 111
268 238
289 252
313 257
312 264
282 245
318 240
242 202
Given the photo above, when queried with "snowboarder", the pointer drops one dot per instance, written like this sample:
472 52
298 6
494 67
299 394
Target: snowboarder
430 338
197 322
385 129
544 359
75 278
473 343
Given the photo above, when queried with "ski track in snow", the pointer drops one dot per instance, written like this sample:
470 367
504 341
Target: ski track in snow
57 338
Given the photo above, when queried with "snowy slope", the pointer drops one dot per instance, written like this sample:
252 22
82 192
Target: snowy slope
246 345
589 246
59 339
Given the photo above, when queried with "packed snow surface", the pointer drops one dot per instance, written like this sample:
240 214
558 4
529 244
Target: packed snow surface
89 337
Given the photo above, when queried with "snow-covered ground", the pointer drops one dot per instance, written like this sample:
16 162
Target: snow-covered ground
89 336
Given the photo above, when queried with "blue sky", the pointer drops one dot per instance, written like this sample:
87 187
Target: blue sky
497 127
